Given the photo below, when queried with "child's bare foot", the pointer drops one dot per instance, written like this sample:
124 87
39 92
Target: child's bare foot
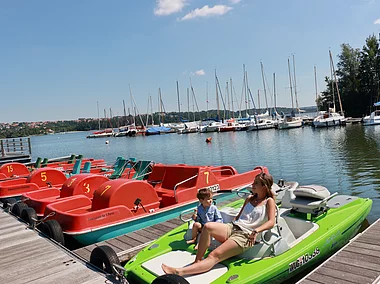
196 247
169 270
190 242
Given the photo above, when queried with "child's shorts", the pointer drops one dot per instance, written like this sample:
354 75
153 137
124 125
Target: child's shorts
239 236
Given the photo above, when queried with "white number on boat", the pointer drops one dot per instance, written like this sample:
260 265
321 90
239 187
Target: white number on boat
302 260
214 188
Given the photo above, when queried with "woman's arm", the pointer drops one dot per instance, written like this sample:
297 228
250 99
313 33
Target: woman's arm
241 209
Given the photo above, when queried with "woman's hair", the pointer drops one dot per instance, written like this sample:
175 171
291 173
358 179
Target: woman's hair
204 193
267 181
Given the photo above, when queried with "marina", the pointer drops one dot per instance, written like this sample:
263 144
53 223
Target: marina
128 244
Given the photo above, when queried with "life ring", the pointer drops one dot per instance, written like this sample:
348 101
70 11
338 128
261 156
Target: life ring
53 230
103 257
29 215
170 279
18 207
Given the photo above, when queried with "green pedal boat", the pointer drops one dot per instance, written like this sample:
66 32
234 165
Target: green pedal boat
311 225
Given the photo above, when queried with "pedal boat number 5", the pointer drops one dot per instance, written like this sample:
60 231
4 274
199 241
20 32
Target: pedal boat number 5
311 225
122 206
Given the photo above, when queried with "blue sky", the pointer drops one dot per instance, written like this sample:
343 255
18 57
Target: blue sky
58 58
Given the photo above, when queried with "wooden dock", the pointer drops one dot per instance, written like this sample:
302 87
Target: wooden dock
357 262
27 257
126 246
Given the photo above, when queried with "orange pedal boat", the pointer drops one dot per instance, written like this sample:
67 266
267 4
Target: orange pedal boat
122 206
39 179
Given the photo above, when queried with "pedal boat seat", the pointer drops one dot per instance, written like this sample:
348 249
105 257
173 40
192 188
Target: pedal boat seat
310 198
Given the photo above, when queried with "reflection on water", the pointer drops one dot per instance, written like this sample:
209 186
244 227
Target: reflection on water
344 159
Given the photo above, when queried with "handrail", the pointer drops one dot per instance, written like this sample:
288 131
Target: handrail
222 170
181 182
185 212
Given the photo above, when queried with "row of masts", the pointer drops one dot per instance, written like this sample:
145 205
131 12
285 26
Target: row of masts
231 97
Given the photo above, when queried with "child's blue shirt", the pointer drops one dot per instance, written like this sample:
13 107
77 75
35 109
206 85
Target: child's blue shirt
210 214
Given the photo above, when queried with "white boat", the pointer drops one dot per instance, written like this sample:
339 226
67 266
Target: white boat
212 127
331 117
261 125
328 119
373 118
189 127
126 131
102 133
290 122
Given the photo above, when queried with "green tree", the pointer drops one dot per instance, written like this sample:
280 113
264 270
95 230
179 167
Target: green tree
369 74
347 72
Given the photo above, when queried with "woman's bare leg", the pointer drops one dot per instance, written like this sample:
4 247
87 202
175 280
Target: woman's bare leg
212 229
226 250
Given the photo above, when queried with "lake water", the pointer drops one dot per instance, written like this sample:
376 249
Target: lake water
343 159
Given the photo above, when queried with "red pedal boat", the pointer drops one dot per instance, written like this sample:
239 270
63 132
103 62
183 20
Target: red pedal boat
121 206
39 179
80 184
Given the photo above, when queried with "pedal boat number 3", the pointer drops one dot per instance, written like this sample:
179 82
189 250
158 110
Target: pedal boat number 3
310 226
121 206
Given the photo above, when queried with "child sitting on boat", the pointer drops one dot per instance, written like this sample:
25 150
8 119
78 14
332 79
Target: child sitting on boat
205 212
256 215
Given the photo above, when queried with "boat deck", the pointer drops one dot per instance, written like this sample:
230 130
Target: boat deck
357 262
126 246
27 257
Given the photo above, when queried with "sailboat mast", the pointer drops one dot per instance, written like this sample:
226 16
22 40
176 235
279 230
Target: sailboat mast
332 81
265 90
105 116
179 105
125 114
336 84
217 96
316 87
135 106
97 103
188 105
295 84
245 90
151 109
274 92
228 100
206 99
232 99
258 98
130 94
291 88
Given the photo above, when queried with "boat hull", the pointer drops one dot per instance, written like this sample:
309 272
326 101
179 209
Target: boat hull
335 229
129 226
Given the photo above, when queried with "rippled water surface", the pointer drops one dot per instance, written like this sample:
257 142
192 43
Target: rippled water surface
344 159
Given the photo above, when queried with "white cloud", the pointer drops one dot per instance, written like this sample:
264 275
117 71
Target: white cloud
167 7
234 1
377 22
206 11
200 72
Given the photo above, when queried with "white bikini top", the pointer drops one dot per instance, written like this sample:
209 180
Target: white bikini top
252 217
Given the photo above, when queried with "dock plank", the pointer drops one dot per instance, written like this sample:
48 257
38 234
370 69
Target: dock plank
27 257
357 262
